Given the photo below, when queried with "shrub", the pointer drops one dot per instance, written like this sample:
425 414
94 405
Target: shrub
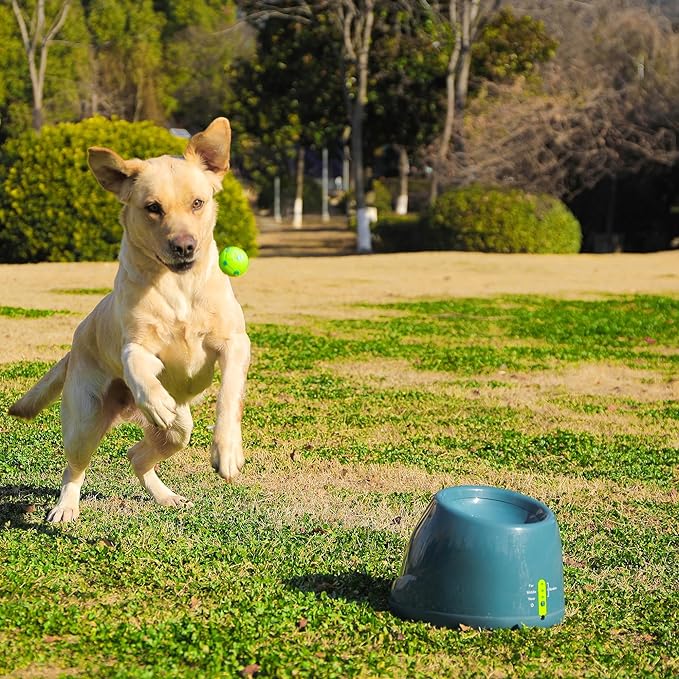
401 233
480 219
235 221
381 197
52 209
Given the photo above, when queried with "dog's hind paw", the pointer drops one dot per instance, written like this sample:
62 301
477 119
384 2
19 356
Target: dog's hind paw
175 501
63 514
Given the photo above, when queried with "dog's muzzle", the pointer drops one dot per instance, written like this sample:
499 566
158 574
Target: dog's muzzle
182 251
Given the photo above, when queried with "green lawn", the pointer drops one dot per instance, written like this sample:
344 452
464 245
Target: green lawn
350 427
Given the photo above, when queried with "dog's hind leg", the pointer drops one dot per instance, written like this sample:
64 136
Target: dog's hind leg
157 445
84 423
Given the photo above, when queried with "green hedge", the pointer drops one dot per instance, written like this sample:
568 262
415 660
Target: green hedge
401 233
52 209
481 219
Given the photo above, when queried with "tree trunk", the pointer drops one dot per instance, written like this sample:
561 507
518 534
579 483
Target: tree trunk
346 168
298 209
470 10
325 213
403 172
38 37
363 232
277 200
37 117
449 122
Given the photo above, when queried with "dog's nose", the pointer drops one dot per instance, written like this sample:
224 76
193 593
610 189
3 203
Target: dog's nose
183 246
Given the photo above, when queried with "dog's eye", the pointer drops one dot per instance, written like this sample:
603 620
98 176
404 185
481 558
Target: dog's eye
154 208
197 204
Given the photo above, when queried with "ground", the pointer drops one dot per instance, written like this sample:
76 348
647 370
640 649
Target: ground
316 276
357 412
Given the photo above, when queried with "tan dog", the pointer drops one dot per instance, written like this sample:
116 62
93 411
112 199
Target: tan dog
150 347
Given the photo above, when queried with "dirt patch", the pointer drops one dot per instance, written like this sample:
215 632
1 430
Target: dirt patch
596 398
299 487
607 380
282 289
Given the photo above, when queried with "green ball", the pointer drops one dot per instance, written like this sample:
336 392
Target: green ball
233 261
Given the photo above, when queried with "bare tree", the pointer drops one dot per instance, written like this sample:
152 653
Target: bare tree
610 109
357 18
466 18
37 34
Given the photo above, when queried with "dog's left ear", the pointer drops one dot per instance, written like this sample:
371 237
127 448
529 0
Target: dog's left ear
212 147
112 172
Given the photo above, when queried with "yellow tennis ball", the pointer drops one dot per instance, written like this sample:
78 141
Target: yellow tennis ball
233 261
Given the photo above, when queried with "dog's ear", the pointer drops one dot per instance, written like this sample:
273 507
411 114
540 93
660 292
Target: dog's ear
212 147
113 172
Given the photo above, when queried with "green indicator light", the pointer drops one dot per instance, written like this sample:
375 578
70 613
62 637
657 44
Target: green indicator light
542 598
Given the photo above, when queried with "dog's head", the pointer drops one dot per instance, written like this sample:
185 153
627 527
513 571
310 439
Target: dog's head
169 208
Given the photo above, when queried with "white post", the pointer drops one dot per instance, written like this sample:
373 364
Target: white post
277 199
324 187
298 207
363 235
403 172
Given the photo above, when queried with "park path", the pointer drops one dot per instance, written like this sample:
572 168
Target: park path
315 239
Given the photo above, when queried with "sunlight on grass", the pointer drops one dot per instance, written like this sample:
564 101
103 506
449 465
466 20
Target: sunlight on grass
19 312
100 292
350 427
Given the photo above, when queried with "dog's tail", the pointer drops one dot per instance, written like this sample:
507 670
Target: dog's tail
46 391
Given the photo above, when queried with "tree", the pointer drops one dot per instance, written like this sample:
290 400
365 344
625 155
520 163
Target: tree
14 114
354 21
510 46
200 39
465 18
127 59
289 94
37 35
406 84
612 112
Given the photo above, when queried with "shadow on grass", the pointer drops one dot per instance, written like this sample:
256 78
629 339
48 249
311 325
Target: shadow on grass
350 586
15 512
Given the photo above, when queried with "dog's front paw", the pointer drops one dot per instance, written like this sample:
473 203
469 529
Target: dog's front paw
227 460
160 409
63 513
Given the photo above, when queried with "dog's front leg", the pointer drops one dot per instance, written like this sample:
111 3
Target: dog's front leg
141 369
227 446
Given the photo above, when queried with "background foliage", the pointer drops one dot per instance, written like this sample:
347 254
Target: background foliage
576 100
52 208
483 219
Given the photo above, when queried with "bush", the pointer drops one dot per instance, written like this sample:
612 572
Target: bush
52 209
480 219
401 233
381 198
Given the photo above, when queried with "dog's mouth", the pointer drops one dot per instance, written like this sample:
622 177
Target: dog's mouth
178 266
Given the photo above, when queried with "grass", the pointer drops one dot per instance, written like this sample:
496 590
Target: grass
20 312
98 292
350 426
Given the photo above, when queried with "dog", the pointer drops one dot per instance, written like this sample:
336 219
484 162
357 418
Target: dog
150 347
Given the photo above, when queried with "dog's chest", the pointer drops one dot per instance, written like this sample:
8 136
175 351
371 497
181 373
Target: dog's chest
185 353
